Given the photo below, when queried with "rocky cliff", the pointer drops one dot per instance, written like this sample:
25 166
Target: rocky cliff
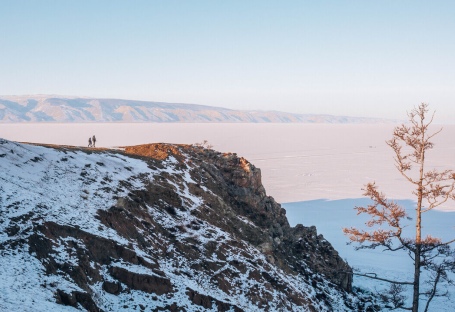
155 228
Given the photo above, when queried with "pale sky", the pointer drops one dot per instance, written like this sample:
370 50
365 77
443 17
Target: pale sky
356 58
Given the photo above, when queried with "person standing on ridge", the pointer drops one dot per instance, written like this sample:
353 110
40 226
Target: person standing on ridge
89 142
94 140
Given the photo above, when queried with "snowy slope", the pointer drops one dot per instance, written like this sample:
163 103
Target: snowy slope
46 184
93 229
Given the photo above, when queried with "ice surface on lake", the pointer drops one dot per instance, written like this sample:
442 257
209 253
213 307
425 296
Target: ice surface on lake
298 161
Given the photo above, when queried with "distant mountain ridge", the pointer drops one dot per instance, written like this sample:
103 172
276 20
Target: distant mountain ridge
49 108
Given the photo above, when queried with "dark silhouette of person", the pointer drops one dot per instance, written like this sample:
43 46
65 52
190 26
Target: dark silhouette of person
94 140
89 142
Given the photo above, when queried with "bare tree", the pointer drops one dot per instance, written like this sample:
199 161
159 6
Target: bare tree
204 144
432 188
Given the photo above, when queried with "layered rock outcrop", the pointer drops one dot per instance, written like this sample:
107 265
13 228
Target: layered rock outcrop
159 227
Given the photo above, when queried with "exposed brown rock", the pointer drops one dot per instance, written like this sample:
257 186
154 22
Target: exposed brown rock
150 284
112 287
157 151
207 302
75 298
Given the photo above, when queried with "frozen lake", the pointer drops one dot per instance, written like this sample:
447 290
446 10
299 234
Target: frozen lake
299 162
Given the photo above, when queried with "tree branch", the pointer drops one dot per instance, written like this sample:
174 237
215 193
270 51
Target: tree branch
374 276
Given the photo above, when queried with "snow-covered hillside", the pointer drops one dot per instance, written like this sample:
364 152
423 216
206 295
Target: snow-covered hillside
155 227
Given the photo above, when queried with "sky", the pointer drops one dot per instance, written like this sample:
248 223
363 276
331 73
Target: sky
354 58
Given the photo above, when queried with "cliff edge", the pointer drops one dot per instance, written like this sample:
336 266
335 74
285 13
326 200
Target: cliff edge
156 227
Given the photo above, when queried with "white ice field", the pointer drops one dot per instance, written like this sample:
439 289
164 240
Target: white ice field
315 170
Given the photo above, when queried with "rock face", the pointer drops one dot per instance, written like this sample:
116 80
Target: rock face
155 228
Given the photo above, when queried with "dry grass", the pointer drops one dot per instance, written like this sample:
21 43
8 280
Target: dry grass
159 151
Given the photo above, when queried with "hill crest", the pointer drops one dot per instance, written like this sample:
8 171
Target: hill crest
152 227
42 108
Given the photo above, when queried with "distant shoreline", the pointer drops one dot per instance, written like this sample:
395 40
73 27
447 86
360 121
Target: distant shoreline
42 108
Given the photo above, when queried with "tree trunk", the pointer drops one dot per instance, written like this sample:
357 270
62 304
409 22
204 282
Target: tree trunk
417 264
415 297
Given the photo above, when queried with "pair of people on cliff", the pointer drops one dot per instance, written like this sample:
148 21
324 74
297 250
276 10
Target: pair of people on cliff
92 141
